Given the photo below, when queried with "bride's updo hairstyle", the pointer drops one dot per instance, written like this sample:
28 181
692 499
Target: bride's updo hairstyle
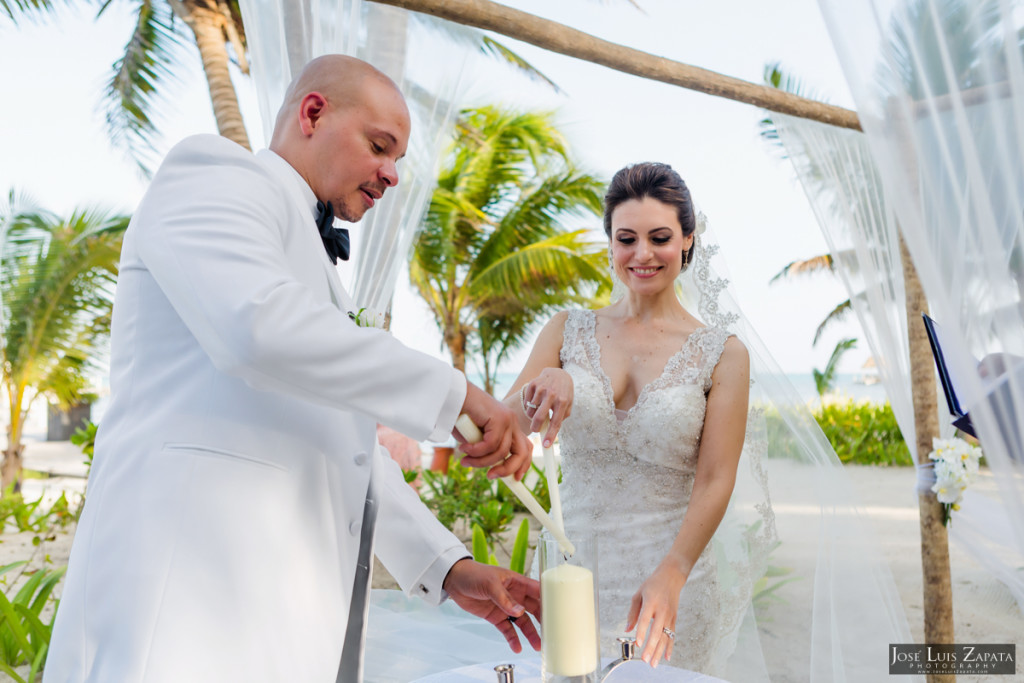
657 181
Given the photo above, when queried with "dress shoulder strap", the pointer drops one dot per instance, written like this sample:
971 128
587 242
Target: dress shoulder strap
579 326
710 346
696 360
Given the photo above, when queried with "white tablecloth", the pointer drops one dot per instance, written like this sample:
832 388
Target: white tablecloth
528 671
408 640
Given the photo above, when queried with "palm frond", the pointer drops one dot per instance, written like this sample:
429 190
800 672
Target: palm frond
476 39
135 87
540 211
815 264
837 314
490 46
776 77
33 10
555 268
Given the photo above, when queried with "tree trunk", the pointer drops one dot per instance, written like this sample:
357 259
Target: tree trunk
455 340
208 26
938 593
551 35
10 469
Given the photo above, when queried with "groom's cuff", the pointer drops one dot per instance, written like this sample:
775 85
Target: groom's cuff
450 409
429 585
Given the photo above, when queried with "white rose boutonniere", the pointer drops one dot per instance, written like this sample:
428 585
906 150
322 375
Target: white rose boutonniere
956 466
365 317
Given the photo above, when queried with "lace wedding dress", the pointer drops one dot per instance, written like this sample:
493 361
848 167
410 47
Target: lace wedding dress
628 475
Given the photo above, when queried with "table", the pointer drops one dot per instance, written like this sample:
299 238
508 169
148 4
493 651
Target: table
528 671
408 640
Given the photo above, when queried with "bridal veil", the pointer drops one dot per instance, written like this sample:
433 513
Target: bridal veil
794 548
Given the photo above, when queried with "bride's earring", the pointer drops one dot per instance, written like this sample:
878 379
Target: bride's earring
618 288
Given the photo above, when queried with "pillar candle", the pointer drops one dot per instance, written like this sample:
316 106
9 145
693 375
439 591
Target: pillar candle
569 624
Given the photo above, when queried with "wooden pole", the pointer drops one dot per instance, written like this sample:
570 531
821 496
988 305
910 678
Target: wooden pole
550 35
938 593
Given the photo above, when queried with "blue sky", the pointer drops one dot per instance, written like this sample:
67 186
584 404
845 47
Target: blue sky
53 144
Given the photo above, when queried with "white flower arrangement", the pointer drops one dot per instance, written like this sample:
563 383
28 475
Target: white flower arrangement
956 466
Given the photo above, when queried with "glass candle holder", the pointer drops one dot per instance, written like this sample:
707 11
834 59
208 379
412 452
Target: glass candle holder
568 589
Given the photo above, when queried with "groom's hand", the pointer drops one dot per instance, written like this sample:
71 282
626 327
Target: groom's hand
496 594
504 448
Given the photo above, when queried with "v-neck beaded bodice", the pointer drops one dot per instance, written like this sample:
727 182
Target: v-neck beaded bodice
664 426
629 477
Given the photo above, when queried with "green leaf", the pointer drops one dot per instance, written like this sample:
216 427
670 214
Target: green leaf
46 587
15 629
39 633
481 553
517 562
39 661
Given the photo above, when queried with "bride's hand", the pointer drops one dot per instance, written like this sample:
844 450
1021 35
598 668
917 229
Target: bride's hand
654 610
551 392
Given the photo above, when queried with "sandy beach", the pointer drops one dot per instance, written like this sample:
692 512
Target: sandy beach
984 610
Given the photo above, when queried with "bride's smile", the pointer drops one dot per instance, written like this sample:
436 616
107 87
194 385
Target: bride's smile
648 245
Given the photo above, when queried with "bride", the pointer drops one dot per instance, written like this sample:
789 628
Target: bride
658 404
665 461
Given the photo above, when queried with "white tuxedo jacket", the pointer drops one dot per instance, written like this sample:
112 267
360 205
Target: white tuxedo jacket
221 529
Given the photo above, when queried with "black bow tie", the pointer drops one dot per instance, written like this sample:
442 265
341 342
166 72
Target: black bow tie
335 239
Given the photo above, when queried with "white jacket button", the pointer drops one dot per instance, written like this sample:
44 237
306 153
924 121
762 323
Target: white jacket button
353 527
360 459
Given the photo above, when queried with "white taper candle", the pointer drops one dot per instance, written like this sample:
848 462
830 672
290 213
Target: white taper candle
551 472
471 433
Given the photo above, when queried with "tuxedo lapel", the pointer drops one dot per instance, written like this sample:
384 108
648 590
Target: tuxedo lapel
305 204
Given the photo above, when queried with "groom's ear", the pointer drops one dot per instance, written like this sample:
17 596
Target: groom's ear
311 111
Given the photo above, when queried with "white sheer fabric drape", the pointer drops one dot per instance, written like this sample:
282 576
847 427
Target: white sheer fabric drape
793 501
839 177
285 34
939 86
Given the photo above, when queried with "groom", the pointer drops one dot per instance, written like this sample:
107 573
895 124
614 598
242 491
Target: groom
225 516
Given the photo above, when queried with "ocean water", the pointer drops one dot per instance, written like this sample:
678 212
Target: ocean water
846 386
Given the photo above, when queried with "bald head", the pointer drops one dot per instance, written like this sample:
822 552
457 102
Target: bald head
340 78
343 126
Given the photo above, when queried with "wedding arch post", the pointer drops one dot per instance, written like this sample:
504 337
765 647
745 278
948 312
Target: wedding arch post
937 588
556 37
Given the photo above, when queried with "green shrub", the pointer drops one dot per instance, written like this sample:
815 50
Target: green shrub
466 494
24 637
864 433
18 515
85 438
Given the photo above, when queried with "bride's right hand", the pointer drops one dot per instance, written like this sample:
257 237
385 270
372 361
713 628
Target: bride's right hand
550 392
653 612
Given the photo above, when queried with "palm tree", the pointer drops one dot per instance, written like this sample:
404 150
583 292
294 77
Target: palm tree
493 255
56 292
